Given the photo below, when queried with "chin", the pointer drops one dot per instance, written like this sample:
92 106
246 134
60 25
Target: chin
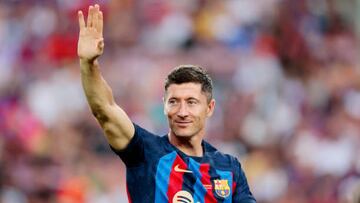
182 133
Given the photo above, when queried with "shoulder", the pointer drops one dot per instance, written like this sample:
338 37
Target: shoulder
143 142
221 159
142 131
151 143
144 134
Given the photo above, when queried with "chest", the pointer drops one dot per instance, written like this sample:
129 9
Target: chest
186 180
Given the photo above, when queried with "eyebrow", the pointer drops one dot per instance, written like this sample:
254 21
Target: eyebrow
190 98
193 98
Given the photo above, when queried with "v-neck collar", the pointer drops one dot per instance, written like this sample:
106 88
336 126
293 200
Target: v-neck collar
185 156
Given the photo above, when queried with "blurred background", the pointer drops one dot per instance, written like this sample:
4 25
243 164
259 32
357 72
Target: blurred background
287 85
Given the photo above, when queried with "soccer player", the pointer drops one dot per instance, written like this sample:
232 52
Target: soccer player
177 167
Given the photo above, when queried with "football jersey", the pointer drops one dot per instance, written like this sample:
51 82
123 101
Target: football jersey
156 171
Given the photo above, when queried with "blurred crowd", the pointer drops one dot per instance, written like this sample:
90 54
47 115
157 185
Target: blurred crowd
287 85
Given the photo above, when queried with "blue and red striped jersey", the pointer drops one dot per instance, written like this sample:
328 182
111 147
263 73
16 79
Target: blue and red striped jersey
156 171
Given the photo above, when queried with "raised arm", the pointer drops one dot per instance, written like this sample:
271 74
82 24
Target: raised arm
116 124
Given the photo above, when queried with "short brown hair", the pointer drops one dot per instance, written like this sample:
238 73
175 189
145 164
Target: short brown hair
191 73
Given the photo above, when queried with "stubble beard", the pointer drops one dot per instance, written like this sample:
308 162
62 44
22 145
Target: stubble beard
185 133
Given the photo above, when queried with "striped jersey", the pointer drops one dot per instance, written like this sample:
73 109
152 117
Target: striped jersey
156 171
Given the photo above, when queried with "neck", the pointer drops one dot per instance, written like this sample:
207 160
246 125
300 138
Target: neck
190 146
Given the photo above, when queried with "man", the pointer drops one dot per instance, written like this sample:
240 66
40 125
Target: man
178 167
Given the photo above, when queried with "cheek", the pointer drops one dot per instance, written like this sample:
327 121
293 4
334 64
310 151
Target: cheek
169 113
201 114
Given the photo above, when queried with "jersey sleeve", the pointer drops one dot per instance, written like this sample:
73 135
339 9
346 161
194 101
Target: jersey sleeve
133 154
242 193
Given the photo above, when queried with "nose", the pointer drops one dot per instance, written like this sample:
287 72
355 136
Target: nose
183 111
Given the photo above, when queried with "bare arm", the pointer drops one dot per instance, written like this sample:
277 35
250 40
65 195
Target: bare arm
116 124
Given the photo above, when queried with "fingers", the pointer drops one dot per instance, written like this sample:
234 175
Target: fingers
89 22
81 20
99 26
98 19
94 19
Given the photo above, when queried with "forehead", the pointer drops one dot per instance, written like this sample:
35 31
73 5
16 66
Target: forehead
184 90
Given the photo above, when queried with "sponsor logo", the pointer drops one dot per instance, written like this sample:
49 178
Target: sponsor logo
222 188
183 197
178 169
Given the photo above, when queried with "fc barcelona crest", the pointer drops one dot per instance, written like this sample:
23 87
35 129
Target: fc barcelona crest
222 188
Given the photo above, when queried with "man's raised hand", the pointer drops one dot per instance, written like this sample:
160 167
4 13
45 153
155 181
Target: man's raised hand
91 41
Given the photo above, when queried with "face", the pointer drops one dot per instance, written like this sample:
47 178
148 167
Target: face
187 109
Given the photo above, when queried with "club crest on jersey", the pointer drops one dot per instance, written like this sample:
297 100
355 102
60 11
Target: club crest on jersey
222 188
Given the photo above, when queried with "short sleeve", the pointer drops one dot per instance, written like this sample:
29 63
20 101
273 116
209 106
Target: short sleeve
242 193
133 154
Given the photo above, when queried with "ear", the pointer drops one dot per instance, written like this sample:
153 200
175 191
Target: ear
210 108
164 105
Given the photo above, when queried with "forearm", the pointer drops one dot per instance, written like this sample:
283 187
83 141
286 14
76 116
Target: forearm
114 121
97 91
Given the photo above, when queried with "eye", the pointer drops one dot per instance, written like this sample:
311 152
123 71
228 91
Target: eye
172 101
192 102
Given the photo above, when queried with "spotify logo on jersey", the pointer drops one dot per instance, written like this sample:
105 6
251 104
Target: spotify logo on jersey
183 197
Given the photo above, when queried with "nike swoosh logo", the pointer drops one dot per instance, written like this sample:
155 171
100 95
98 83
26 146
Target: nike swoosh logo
177 169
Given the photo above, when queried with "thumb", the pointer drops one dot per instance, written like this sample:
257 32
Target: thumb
100 44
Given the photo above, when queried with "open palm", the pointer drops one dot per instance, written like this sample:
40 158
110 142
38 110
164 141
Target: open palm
91 41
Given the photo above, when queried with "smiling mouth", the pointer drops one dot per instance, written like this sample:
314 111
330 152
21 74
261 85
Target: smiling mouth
183 123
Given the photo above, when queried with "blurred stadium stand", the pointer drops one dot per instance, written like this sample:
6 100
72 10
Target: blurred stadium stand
287 85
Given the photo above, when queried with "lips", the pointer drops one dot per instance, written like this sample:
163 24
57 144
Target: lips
183 123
